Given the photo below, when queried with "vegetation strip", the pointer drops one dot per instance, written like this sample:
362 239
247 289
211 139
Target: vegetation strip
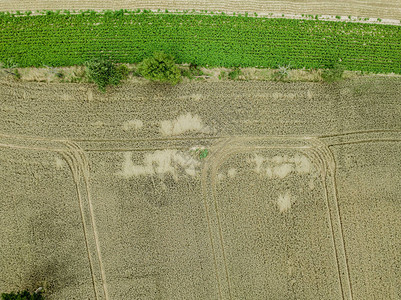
63 39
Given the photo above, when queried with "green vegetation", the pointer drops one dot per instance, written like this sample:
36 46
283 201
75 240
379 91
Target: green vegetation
160 67
192 71
103 72
334 73
222 75
62 39
24 295
203 153
234 73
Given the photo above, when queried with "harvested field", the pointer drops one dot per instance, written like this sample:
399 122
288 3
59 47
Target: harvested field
297 197
368 8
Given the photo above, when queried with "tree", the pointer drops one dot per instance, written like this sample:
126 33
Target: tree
103 72
160 67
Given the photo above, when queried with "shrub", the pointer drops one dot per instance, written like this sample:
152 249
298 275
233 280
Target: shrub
24 295
192 71
160 67
195 70
234 73
103 72
333 74
123 70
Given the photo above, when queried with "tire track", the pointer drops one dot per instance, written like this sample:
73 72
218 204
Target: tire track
324 177
83 166
75 170
225 150
214 151
77 167
329 158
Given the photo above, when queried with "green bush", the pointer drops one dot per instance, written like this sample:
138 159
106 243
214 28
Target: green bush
103 72
234 73
160 67
192 71
123 70
24 295
333 74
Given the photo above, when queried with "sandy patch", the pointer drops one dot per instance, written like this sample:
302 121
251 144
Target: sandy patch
284 202
232 172
282 170
221 176
89 95
59 163
311 184
98 124
182 124
302 164
258 160
132 125
160 162
281 166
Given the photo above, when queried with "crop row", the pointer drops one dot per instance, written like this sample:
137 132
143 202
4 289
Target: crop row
213 40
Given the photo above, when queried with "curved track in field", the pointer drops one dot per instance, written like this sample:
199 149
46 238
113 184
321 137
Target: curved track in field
316 148
79 167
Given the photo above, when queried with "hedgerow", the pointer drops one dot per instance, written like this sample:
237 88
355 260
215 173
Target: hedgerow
62 39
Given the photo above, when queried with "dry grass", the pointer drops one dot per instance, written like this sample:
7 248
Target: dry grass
76 74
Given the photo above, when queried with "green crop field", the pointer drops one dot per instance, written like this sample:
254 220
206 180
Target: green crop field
62 39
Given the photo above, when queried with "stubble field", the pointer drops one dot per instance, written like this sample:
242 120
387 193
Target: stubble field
298 197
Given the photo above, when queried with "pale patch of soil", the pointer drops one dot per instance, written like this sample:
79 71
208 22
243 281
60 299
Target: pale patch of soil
132 125
160 162
183 124
281 166
284 202
231 172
